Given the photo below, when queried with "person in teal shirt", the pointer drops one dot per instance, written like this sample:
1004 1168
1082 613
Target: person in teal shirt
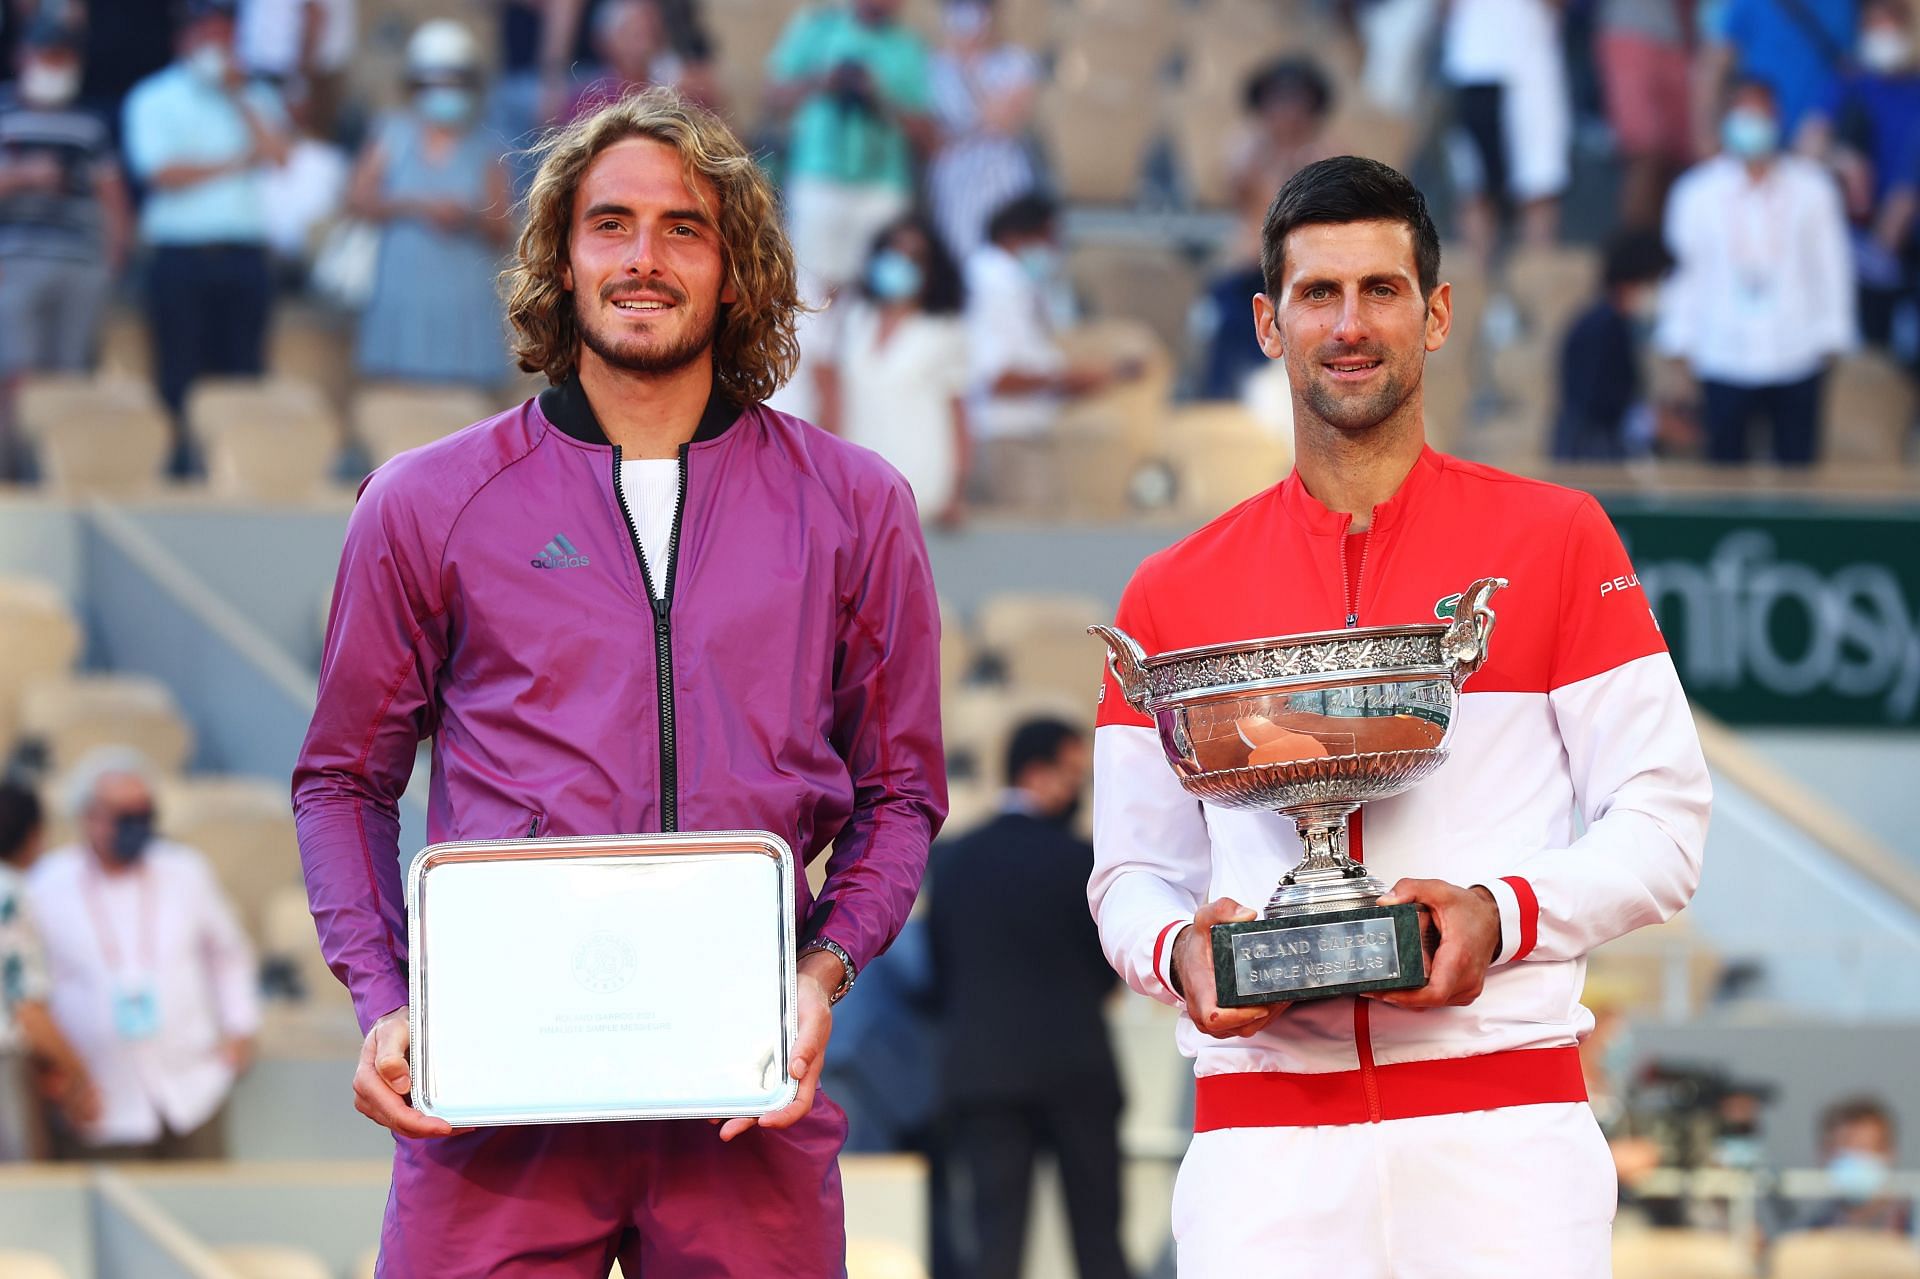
855 80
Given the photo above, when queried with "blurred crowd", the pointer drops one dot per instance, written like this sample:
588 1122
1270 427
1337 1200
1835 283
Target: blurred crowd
211 160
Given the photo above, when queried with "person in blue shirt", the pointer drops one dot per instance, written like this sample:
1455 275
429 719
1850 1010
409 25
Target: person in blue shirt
198 139
1800 47
1869 131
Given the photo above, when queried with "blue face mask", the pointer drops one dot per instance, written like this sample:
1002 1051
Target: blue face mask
1041 261
1856 1175
444 104
894 277
1750 135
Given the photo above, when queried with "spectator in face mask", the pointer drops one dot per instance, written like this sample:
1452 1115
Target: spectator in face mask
150 977
1020 377
1021 1075
432 178
1869 132
64 220
200 137
897 383
1761 299
1858 1146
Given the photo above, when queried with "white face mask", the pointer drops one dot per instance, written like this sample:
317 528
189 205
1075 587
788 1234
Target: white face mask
208 63
1885 50
49 86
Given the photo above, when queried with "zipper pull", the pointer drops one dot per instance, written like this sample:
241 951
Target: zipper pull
1353 620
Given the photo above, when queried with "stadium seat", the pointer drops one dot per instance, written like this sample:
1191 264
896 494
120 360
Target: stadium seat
287 939
126 347
1097 468
311 345
1359 129
244 826
882 1259
271 439
1222 454
18 1264
370 1262
744 32
1869 411
391 419
977 724
1843 1254
1120 44
1551 285
48 401
106 452
1131 410
1225 43
1096 138
268 1261
956 648
1201 119
1526 376
39 636
1151 284
73 716
1010 618
1679 1254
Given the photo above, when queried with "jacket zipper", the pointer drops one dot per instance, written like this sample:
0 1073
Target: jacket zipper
1362 1012
662 604
533 827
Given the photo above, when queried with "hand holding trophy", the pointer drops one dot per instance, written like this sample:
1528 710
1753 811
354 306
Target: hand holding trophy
1312 726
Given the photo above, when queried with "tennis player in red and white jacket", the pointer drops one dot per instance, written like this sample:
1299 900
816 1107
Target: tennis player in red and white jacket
1441 1132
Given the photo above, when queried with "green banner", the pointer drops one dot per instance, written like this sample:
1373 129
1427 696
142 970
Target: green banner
1777 613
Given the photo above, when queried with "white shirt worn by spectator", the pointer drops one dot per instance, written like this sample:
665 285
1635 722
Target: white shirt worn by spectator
169 931
1762 287
897 397
267 37
1009 330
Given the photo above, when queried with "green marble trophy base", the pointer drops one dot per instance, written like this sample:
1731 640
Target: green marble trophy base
1320 955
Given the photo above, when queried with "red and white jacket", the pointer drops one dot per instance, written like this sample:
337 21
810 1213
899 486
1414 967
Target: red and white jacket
1575 790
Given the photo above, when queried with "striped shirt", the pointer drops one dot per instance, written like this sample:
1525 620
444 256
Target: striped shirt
65 222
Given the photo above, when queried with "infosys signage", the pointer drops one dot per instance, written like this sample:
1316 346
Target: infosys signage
1785 615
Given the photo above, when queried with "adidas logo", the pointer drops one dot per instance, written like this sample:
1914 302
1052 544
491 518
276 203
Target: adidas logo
560 553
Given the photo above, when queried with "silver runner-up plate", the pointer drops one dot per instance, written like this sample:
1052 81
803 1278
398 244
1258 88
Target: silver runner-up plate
607 977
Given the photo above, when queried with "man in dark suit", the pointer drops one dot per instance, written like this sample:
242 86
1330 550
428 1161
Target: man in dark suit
1020 982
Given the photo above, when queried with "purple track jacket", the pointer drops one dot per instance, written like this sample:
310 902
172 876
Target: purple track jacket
493 596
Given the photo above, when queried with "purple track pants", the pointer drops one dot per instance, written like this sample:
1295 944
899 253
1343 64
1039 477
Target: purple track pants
669 1199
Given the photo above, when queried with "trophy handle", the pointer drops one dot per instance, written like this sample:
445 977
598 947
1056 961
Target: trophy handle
1465 643
1128 662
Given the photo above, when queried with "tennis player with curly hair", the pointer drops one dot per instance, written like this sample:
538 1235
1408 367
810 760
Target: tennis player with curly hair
640 601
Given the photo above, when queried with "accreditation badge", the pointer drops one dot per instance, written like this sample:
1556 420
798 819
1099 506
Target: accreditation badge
136 1011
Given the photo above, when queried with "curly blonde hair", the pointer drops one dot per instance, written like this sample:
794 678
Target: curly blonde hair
754 350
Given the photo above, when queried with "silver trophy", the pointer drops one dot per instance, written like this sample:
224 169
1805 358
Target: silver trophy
1312 726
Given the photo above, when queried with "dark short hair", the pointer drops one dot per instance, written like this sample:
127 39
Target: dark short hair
1634 257
1746 82
1022 215
20 817
941 292
1037 741
1348 188
1855 1110
1293 75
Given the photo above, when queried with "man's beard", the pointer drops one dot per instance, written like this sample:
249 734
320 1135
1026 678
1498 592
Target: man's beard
650 357
1362 413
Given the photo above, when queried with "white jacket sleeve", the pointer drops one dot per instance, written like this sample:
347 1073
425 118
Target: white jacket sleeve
1643 792
1638 776
1152 859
